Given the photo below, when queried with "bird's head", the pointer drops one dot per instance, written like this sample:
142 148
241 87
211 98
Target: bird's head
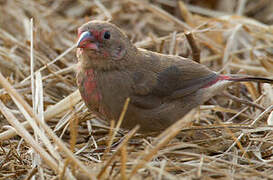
102 42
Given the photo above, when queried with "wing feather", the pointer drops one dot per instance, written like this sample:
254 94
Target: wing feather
168 78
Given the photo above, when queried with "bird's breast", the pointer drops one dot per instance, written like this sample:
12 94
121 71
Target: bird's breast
88 88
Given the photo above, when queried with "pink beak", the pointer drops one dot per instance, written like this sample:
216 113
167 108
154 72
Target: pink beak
87 40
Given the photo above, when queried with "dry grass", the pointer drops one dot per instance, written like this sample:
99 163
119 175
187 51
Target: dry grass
228 137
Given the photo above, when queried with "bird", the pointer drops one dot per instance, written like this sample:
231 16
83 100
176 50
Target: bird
162 88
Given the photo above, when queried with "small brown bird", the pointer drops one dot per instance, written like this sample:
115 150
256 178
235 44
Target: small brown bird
162 88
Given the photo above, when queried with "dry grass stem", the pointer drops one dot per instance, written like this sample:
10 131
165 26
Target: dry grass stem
194 47
60 107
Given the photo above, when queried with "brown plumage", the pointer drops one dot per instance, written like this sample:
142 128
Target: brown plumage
162 88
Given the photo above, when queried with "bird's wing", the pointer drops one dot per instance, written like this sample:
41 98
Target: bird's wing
168 77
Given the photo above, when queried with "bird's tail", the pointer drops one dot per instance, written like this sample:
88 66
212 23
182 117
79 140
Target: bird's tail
241 78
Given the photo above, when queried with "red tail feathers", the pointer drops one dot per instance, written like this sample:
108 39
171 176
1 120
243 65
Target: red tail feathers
241 78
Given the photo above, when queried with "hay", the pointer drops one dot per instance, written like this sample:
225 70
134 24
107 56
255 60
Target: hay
228 137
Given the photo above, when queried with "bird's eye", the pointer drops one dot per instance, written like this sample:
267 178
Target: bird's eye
107 35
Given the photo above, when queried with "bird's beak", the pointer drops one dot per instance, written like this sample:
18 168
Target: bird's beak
87 40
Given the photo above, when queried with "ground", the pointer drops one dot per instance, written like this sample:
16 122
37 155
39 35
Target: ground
229 137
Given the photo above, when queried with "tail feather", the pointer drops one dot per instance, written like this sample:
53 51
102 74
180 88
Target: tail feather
248 78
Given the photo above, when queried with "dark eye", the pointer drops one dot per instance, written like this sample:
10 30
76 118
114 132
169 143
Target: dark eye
107 35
